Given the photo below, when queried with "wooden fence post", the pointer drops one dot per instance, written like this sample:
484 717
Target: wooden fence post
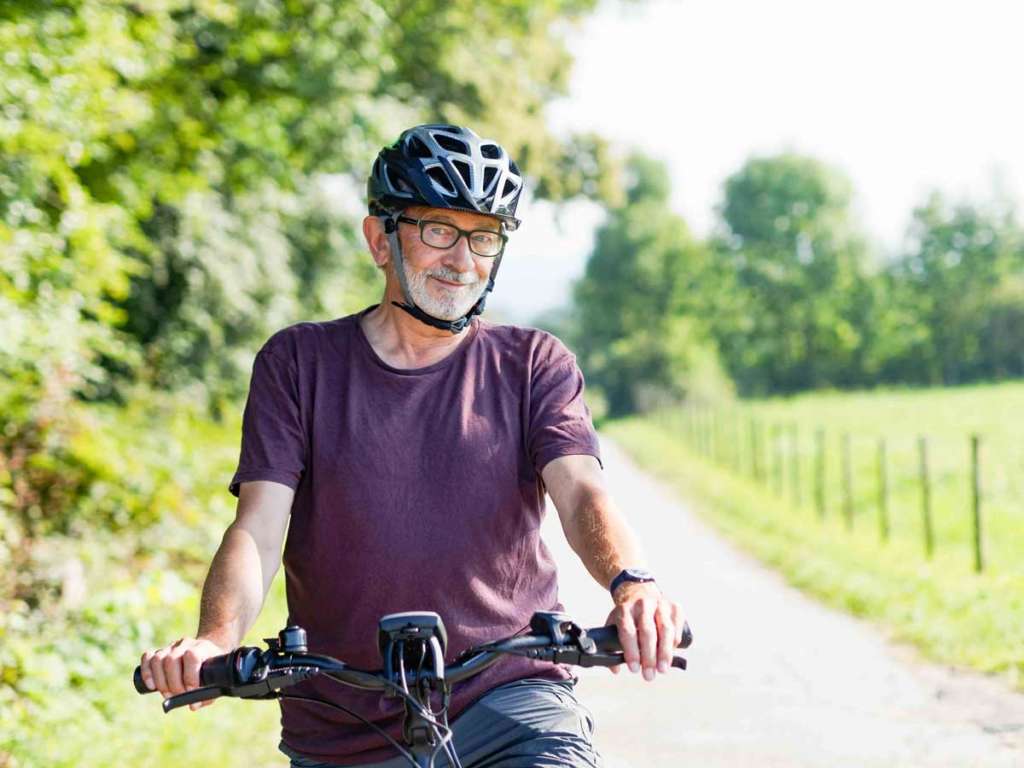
883 491
979 563
847 481
737 431
777 457
709 434
926 497
710 427
819 472
716 443
754 463
719 442
794 443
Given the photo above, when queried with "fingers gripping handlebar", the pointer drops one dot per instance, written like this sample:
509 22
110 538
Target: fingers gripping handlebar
571 644
254 674
242 673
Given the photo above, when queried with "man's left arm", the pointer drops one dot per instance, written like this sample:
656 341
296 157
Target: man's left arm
650 624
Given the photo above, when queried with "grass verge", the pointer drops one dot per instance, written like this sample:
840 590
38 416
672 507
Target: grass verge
133 560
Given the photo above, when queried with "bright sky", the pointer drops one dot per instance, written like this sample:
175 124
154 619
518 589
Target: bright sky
905 96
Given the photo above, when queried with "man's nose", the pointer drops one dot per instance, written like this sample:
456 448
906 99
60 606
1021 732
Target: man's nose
459 257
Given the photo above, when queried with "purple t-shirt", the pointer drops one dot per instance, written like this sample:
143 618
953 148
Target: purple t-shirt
414 490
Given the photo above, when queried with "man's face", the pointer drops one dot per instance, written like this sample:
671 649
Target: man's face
445 283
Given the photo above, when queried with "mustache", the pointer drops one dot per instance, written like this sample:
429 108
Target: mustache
462 278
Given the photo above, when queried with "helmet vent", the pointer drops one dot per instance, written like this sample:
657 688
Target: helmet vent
450 144
489 173
463 168
439 178
490 151
397 183
418 148
509 187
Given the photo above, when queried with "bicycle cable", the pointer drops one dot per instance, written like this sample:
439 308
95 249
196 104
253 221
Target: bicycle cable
442 730
453 757
402 750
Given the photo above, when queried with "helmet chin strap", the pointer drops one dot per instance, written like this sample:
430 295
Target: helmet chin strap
453 326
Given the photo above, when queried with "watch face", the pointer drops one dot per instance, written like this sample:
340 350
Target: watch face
639 574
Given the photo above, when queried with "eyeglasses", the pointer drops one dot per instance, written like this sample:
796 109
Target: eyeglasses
441 234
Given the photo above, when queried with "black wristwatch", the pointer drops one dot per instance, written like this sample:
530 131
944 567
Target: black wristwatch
638 575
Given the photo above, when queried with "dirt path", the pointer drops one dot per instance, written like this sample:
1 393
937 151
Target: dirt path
776 679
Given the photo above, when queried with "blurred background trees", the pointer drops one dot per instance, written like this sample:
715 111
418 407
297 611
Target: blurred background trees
640 327
954 297
789 295
796 299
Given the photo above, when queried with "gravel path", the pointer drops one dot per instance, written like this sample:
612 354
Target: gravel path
776 679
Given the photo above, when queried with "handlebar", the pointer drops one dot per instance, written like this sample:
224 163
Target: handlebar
251 673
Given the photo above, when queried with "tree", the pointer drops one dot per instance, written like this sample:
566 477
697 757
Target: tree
795 308
637 306
128 129
958 290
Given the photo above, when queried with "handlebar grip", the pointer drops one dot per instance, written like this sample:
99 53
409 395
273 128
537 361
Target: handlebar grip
219 671
140 684
607 638
225 671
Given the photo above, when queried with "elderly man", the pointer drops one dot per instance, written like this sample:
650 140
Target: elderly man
410 446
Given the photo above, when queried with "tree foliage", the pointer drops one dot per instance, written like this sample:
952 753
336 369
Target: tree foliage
793 313
148 150
955 309
637 328
790 294
162 211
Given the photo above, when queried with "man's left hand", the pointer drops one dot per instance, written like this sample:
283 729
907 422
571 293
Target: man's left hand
650 627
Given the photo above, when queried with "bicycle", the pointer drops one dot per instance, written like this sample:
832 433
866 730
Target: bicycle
408 641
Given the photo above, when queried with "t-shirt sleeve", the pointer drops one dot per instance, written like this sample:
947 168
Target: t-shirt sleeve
273 438
560 423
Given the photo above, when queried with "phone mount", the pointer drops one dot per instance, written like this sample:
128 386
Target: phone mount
412 646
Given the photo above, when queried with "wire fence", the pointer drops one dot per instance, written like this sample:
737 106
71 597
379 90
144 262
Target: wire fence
960 496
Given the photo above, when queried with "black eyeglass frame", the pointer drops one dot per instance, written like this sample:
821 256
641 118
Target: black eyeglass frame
466 233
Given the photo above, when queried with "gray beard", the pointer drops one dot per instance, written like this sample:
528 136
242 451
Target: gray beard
452 304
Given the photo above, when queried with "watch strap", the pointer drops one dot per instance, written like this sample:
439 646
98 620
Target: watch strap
635 575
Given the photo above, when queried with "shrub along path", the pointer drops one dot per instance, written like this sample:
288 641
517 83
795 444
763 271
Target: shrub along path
776 679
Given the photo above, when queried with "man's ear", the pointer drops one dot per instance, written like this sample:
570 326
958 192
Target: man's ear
377 240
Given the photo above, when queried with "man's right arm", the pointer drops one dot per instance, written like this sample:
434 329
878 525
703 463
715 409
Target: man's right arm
236 586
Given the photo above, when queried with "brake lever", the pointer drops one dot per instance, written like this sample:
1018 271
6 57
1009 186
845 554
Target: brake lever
191 697
578 658
266 687
272 682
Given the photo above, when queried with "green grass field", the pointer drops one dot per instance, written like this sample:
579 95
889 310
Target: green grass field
837 550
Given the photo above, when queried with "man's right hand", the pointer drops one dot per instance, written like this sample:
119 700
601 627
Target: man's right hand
174 668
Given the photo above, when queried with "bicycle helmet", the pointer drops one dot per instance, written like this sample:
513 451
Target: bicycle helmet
443 166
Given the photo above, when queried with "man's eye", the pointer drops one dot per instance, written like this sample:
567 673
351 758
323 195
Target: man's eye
484 238
440 231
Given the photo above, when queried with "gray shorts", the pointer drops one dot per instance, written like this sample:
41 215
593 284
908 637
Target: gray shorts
531 723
